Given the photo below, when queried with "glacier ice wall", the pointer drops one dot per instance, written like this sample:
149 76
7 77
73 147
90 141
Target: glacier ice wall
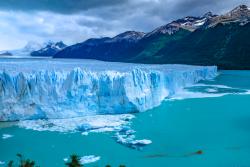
84 89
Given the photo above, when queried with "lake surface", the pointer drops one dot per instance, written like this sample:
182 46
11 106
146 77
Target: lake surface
208 125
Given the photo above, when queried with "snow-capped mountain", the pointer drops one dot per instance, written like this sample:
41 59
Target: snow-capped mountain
49 49
239 14
189 23
128 36
25 51
131 36
31 46
35 49
104 48
190 40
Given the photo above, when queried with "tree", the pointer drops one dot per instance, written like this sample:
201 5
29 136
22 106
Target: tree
25 162
10 164
75 161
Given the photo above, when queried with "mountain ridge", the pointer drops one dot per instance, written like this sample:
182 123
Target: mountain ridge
210 39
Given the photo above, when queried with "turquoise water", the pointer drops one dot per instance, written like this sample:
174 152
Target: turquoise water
218 128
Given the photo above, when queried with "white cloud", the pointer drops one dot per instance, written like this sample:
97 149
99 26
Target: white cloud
17 27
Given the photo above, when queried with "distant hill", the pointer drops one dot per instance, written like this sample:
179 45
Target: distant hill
32 48
5 54
221 40
23 52
109 49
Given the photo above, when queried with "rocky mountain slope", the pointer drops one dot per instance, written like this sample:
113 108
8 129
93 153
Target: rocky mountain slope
221 40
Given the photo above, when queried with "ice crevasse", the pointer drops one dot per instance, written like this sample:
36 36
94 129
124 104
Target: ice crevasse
83 89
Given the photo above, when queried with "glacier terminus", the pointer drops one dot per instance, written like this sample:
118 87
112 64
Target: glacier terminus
51 88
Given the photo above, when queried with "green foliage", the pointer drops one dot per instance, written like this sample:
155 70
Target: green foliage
153 45
22 162
75 161
25 162
225 45
10 164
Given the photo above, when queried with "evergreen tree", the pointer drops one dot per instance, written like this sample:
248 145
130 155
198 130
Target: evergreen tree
10 164
25 162
75 161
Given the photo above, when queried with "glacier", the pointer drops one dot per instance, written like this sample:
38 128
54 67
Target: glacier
52 88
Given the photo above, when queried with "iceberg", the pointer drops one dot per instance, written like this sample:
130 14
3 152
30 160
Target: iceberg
89 159
51 88
6 136
86 159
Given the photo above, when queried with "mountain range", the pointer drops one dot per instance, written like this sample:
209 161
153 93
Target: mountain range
32 48
221 40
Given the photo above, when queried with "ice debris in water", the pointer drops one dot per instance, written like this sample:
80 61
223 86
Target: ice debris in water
207 90
6 136
65 159
126 136
2 162
97 123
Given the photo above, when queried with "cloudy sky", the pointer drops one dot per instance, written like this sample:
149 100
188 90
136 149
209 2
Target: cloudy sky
76 20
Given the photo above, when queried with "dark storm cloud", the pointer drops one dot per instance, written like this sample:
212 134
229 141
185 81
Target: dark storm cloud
144 15
77 20
194 7
173 9
59 6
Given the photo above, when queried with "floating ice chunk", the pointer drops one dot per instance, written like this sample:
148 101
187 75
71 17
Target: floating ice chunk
85 133
86 159
141 142
6 136
89 159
